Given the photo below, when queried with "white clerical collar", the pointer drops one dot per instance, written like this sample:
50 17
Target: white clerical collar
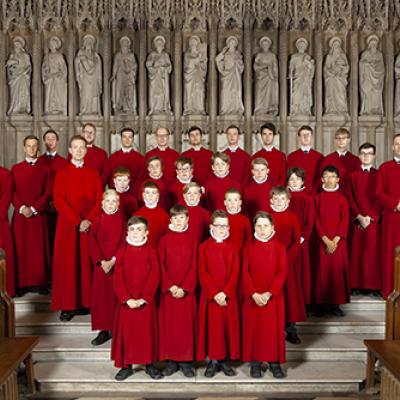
296 190
270 147
194 204
136 244
150 205
184 181
234 212
109 213
51 153
341 153
261 181
219 240
89 145
221 176
78 164
173 229
233 148
305 148
397 159
156 177
122 191
31 161
267 239
276 210
366 167
162 148
197 147
330 190
126 150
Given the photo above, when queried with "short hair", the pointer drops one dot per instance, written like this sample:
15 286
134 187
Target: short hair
270 126
331 168
86 124
127 129
121 171
305 128
150 185
109 192
76 138
263 214
342 131
137 219
277 190
218 214
259 161
50 131
191 185
178 209
183 160
299 172
163 127
232 127
223 156
31 137
232 191
154 158
396 136
193 129
366 146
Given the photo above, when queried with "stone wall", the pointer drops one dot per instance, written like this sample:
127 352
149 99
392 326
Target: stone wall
61 59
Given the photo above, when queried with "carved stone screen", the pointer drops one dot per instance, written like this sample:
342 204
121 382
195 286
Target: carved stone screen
211 63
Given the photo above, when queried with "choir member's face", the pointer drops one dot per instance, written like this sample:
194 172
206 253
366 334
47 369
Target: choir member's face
280 201
396 147
127 139
267 137
220 227
162 137
31 148
295 182
192 196
305 137
220 167
151 195
110 203
233 202
367 156
154 169
137 232
89 134
330 179
184 171
263 228
179 222
121 183
195 138
232 136
260 172
342 142
50 141
78 150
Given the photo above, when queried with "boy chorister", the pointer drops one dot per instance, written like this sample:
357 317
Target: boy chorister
184 175
177 315
136 279
265 269
105 237
218 334
127 201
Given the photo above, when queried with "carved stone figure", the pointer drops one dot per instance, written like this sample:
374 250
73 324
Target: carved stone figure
159 68
194 77
54 76
397 92
266 88
88 71
301 74
372 75
124 79
230 66
19 69
336 72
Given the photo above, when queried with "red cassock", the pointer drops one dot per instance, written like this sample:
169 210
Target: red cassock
215 189
106 235
302 205
276 163
288 232
265 268
218 335
175 193
177 318
77 196
32 189
162 186
240 231
388 193
135 333
256 198
168 157
6 239
201 164
332 219
365 271
127 204
240 166
158 221
311 162
199 223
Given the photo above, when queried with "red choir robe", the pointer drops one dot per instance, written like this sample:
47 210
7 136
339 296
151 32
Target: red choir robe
265 269
158 221
216 188
6 239
199 223
311 163
32 189
201 164
240 231
388 193
77 196
302 205
162 186
175 193
135 333
127 204
177 317
240 165
276 163
218 334
168 156
332 219
107 233
365 270
256 198
288 232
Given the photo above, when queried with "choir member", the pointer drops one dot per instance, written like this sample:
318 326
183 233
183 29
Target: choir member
308 159
136 280
265 269
276 159
31 183
199 154
127 201
106 235
184 175
77 198
218 334
332 220
177 315
388 193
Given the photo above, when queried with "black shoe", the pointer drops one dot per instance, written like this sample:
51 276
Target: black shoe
170 368
337 311
355 292
83 311
44 291
276 370
153 372
22 292
124 373
226 368
212 368
102 337
292 338
375 294
66 316
187 369
255 370
319 311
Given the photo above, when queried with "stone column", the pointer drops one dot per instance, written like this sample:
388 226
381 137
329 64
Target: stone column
388 103
107 59
212 83
354 56
36 89
177 63
247 83
3 98
72 90
283 97
318 95
142 94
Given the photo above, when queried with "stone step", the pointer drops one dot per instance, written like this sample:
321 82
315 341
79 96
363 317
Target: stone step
302 377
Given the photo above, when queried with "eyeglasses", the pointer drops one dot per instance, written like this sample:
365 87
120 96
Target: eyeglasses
184 169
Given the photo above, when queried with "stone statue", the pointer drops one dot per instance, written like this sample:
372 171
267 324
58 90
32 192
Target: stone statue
194 77
230 65
54 76
159 68
336 72
397 92
301 74
19 68
372 75
88 71
124 79
266 88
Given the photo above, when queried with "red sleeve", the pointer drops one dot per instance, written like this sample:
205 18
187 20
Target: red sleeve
248 233
206 281
318 225
279 279
120 287
16 200
231 285
95 251
387 202
105 171
189 282
95 211
166 282
294 246
352 197
248 286
309 219
343 219
282 171
5 195
41 203
153 280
